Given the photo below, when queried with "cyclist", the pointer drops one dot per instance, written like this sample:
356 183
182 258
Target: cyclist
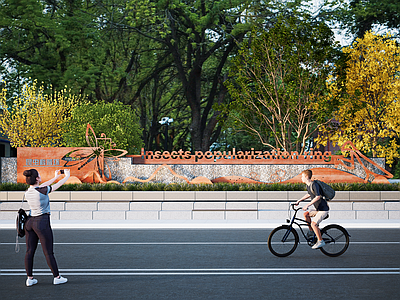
321 207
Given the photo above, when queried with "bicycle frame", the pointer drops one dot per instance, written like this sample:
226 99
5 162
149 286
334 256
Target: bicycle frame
303 224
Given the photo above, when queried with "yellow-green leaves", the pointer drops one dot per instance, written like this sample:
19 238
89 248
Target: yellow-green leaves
369 109
34 119
141 12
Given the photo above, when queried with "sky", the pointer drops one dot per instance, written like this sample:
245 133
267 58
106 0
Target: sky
345 39
341 37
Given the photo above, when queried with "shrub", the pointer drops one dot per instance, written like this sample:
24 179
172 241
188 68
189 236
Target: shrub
116 120
205 187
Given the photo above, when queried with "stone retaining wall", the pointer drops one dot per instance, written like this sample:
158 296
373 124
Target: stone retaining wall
213 205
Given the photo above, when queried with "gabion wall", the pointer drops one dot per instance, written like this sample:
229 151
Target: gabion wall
123 168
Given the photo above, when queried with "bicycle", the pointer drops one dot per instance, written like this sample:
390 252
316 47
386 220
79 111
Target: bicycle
284 239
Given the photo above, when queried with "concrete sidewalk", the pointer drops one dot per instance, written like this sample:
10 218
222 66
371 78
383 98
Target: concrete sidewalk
204 224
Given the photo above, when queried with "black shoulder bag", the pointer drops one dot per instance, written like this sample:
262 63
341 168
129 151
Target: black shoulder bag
20 224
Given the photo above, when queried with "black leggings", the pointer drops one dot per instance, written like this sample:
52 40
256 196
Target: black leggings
38 228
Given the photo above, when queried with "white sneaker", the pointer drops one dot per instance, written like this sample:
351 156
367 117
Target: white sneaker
319 244
60 280
30 282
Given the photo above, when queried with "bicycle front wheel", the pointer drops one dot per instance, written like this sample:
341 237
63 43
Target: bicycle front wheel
336 239
282 241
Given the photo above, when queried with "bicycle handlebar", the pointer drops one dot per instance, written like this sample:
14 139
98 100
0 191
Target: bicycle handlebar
293 207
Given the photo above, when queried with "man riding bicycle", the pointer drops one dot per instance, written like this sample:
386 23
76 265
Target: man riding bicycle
321 207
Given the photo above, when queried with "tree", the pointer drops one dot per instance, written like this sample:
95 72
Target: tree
116 120
90 48
181 28
368 112
34 119
158 93
83 45
48 41
200 36
360 16
277 83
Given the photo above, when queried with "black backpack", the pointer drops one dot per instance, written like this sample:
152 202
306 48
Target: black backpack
327 191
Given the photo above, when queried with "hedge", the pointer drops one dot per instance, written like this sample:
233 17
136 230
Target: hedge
206 187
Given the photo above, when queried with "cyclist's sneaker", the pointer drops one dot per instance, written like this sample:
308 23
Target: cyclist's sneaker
318 245
310 234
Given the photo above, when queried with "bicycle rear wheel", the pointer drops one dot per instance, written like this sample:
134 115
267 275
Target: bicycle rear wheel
336 239
282 241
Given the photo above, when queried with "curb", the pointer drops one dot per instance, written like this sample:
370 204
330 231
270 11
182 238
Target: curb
173 224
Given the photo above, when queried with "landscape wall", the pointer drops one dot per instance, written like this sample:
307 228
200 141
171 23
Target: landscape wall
204 205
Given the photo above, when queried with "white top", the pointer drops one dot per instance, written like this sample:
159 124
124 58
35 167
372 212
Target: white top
38 200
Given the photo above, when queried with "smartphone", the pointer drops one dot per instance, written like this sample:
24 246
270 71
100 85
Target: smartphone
62 171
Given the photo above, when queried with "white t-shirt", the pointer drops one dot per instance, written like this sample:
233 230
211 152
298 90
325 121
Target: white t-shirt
38 200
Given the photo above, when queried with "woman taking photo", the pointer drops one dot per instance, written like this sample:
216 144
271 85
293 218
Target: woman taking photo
37 226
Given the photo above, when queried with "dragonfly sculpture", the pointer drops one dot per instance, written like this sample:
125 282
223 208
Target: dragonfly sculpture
98 149
355 154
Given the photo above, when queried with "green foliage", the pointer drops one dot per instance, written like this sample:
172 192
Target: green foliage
358 16
277 81
116 120
366 187
396 171
206 187
198 38
13 186
238 139
86 47
167 58
55 43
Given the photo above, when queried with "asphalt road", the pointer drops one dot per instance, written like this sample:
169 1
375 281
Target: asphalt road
202 264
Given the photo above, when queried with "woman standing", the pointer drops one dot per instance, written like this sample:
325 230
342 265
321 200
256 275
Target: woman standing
37 226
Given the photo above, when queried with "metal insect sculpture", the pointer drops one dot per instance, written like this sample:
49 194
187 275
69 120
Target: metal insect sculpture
355 154
99 149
